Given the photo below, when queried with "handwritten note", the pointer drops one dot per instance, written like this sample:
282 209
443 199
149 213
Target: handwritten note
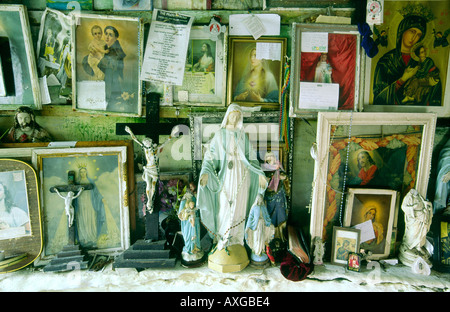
319 96
268 51
367 232
314 42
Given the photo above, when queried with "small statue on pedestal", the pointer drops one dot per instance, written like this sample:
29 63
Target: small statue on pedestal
26 129
192 254
418 217
259 231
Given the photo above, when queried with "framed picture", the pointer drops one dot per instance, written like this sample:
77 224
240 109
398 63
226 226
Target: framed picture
69 4
20 219
441 238
255 71
367 150
18 59
53 55
326 68
273 4
345 241
375 212
354 262
417 81
204 80
132 5
101 216
262 129
108 79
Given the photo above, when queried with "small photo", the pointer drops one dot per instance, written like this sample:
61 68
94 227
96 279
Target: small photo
132 5
354 262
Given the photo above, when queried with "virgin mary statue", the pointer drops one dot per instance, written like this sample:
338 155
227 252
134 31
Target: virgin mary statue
230 179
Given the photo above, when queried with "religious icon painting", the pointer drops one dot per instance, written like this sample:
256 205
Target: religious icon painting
441 238
325 68
204 81
255 75
98 216
368 150
345 241
21 84
20 220
410 72
354 262
375 212
108 53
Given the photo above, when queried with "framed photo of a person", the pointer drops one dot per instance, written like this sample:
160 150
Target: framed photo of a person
326 66
101 211
410 72
18 59
106 72
255 71
367 150
20 219
345 241
204 82
380 208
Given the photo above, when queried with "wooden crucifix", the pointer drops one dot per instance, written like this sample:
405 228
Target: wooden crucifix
72 191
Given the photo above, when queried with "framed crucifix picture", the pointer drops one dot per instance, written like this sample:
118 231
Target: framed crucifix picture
107 60
410 72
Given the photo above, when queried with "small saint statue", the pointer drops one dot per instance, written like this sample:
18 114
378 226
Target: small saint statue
319 250
190 228
68 207
418 217
259 231
26 129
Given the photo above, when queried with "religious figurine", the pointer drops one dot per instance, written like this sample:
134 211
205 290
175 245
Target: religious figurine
418 217
230 179
323 70
68 207
275 194
441 201
151 168
26 129
259 231
319 251
190 228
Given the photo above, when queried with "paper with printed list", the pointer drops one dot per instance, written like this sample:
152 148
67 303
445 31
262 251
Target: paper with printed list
268 51
166 49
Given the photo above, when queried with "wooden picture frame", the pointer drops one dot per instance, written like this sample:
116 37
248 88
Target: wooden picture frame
345 240
111 82
21 74
326 66
21 241
261 127
204 82
379 206
440 229
385 91
246 90
405 134
105 169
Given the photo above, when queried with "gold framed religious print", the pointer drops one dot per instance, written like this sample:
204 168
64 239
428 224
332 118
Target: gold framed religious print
326 66
410 72
19 72
345 241
367 150
20 219
101 207
255 71
204 82
375 212
108 53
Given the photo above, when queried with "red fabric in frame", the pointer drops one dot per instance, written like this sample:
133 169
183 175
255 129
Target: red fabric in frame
342 58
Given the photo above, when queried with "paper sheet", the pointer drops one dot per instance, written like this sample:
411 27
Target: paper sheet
319 95
271 23
314 42
268 51
367 232
166 49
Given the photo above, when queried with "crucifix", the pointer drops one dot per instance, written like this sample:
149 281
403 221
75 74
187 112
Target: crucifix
152 128
70 257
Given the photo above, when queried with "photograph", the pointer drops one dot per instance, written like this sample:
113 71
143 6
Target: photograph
367 150
380 207
326 62
101 216
345 241
132 5
204 81
70 4
108 54
16 42
354 262
411 69
255 73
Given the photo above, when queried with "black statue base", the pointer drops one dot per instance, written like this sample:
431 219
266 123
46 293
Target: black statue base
145 254
69 259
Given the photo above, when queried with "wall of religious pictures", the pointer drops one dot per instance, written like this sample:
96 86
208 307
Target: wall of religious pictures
81 102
